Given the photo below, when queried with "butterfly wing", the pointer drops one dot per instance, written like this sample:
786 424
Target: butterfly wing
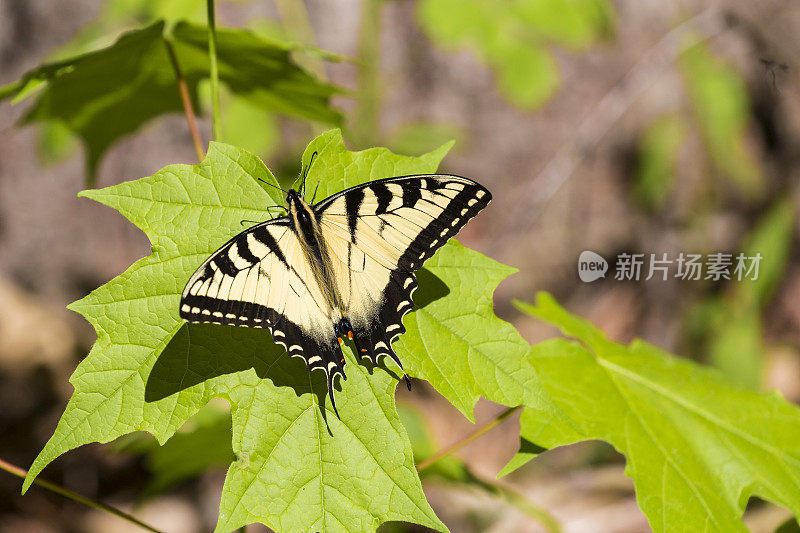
378 233
260 278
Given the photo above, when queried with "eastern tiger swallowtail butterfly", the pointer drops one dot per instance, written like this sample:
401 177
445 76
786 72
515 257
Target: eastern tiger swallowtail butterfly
340 268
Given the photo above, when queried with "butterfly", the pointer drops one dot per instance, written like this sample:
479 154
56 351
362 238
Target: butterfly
340 268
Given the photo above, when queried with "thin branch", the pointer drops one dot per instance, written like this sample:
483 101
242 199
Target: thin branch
187 102
522 503
74 496
212 55
518 500
511 495
488 426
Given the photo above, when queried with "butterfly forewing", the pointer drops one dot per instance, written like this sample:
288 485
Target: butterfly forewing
379 233
261 279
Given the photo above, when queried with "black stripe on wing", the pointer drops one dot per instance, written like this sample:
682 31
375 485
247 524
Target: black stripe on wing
230 260
434 232
459 210
319 352
229 312
374 339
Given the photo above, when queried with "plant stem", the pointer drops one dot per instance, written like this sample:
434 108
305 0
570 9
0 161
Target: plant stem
369 52
488 426
526 506
187 102
19 472
518 500
212 55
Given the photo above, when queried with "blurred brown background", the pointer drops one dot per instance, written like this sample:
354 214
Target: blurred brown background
674 127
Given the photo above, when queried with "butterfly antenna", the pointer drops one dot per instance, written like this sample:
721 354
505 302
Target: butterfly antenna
315 193
305 175
242 222
273 185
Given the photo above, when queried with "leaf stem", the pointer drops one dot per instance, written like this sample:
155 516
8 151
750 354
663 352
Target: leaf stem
212 56
522 503
74 496
485 428
516 499
187 102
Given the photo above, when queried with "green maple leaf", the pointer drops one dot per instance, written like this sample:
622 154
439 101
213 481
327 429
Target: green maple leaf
104 95
697 447
298 468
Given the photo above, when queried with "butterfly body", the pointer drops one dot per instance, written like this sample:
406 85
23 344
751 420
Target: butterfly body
315 252
341 268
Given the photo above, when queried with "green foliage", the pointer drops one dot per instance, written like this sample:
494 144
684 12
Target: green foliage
734 333
55 142
148 10
789 526
513 37
658 154
298 467
722 107
202 444
453 470
697 447
104 95
249 126
772 238
449 468
735 344
416 137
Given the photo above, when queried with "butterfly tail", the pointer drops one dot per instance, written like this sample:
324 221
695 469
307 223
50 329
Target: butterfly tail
318 355
372 343
331 394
